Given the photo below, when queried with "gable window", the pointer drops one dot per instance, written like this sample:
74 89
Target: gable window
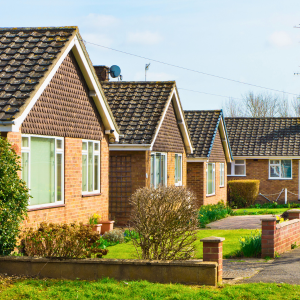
222 175
210 179
237 168
42 162
280 169
90 167
158 172
178 169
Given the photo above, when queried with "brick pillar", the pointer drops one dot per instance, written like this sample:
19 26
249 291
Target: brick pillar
268 242
213 251
294 214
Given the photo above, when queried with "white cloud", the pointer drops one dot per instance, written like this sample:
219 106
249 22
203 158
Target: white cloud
96 21
280 39
153 76
97 38
144 38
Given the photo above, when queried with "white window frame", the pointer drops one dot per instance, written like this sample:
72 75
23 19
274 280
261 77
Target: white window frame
154 171
233 164
95 153
222 172
179 183
57 151
214 177
280 178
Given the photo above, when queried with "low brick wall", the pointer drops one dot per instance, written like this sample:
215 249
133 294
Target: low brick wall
185 272
278 238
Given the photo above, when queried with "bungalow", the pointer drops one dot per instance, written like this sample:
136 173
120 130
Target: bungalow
206 166
267 149
54 112
154 140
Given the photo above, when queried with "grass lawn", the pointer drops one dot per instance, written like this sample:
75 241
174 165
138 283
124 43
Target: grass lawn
230 245
259 211
110 289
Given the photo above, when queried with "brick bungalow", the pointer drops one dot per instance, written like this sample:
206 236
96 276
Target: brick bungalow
267 149
153 144
206 166
54 112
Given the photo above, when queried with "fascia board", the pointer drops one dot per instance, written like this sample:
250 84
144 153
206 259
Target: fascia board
130 147
266 157
225 141
197 159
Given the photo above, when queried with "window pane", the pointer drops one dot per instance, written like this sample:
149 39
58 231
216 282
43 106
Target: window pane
274 171
58 176
209 179
176 168
179 168
25 158
239 162
96 166
228 168
286 169
25 142
42 177
274 162
90 166
59 144
84 145
152 167
96 146
84 172
157 169
221 174
239 170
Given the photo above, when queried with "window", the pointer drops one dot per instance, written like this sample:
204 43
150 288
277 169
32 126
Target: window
237 168
42 162
222 175
178 169
90 167
210 179
158 174
280 169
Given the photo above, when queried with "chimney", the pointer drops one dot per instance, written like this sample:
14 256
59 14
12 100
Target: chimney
102 72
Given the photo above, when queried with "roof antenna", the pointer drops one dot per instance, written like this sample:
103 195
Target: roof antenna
146 69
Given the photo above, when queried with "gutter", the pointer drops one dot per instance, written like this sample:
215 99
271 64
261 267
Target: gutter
7 123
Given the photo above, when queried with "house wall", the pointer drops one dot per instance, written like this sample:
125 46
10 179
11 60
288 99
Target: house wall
259 169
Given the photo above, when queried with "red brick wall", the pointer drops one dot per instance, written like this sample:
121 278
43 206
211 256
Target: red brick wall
259 169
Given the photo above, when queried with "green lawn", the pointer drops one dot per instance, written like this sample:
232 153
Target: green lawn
260 211
230 245
111 289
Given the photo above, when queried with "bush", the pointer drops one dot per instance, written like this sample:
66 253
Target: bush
115 236
243 193
14 198
251 245
165 219
61 241
211 213
129 235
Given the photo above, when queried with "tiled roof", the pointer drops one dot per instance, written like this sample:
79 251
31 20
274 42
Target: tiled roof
202 125
264 136
137 107
26 54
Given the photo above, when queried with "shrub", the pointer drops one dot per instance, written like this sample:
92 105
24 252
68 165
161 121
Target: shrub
211 213
114 236
243 193
165 219
129 235
250 246
61 241
14 198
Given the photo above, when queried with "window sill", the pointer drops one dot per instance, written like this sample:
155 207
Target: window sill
280 178
236 175
222 186
45 207
211 195
90 195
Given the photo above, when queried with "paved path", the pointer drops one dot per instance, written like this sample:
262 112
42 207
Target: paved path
239 222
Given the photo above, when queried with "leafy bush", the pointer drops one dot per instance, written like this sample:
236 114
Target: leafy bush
129 235
14 198
165 219
251 245
243 193
61 240
115 236
211 213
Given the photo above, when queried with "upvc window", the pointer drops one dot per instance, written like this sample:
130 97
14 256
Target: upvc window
222 175
42 162
158 172
280 169
90 167
178 169
237 168
210 179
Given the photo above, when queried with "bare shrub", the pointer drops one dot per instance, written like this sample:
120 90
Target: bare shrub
166 220
114 236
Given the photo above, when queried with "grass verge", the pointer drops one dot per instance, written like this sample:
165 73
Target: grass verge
259 211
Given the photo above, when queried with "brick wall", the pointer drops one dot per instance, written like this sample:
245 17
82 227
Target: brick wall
259 169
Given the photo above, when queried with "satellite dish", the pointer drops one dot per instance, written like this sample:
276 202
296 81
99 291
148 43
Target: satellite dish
114 71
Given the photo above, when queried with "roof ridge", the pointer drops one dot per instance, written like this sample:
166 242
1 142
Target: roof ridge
38 28
137 82
263 118
204 110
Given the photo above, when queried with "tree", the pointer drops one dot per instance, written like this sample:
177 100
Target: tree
296 106
14 198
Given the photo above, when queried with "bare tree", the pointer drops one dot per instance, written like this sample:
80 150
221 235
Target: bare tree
296 106
232 108
284 107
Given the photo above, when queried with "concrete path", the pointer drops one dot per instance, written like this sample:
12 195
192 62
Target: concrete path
238 222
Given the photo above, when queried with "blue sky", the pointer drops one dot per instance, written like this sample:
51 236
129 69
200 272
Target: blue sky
251 41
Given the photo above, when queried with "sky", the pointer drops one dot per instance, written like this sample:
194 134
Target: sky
248 41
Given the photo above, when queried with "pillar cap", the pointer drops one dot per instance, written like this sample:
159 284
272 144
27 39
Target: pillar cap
213 239
294 210
269 219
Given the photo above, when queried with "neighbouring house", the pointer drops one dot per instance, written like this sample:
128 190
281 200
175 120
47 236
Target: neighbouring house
154 140
54 112
207 165
267 149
